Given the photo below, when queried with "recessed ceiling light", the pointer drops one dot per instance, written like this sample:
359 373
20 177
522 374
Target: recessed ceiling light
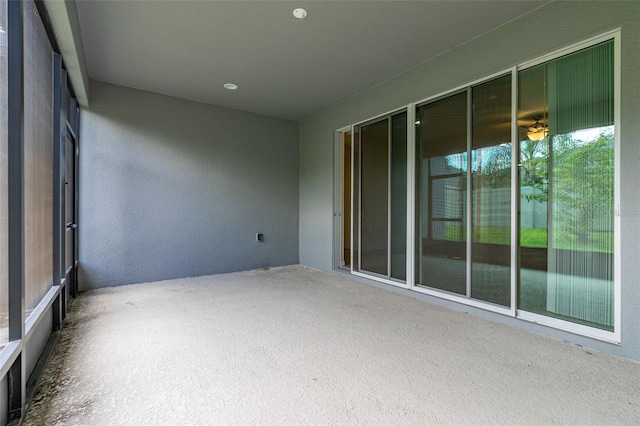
230 86
300 13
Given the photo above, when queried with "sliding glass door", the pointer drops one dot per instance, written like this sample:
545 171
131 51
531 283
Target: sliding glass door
463 164
567 187
381 173
511 205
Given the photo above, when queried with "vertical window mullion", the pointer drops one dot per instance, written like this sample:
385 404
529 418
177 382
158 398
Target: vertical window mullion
411 195
76 197
15 38
389 177
515 193
352 180
15 169
359 159
469 200
58 175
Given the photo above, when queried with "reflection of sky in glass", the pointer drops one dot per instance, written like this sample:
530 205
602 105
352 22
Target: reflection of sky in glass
457 161
584 136
3 41
497 155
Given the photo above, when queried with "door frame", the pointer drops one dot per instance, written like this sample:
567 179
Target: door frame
338 199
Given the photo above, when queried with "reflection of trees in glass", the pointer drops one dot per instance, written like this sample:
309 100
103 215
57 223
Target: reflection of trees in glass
582 186
491 197
455 163
495 168
583 192
534 162
533 168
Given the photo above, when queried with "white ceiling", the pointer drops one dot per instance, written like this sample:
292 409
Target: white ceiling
284 67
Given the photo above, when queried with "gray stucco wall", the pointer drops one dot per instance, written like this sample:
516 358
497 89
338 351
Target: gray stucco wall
547 29
172 188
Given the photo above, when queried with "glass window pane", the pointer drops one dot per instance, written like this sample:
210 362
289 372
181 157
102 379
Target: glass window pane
38 153
441 184
399 196
70 181
67 101
491 192
4 188
346 199
374 189
68 249
355 239
567 179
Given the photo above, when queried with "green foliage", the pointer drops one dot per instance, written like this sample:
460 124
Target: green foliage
583 194
495 172
533 168
533 237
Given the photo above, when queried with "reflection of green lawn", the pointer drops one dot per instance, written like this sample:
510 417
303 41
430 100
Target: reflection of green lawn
533 237
529 237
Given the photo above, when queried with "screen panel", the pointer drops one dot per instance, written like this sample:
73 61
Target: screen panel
491 191
374 187
38 154
441 184
4 185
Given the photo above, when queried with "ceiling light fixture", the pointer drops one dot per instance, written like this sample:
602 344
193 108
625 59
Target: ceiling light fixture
537 131
230 86
300 13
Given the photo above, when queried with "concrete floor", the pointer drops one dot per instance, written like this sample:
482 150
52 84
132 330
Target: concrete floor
293 345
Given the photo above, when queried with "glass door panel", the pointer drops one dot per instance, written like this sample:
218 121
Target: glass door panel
346 200
567 187
355 229
399 196
441 168
374 187
70 190
491 192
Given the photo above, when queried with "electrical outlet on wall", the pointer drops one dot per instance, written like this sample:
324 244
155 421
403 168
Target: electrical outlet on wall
259 237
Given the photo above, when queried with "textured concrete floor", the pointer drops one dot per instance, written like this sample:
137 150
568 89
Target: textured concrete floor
296 346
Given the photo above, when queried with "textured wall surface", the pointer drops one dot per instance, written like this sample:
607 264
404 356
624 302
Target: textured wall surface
545 30
171 188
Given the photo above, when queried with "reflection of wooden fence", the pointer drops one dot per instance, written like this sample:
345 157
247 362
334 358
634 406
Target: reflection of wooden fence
533 214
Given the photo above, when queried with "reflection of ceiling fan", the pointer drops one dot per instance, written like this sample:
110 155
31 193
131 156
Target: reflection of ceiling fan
537 131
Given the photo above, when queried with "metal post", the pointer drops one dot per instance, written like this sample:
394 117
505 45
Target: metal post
469 199
76 200
15 115
58 191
